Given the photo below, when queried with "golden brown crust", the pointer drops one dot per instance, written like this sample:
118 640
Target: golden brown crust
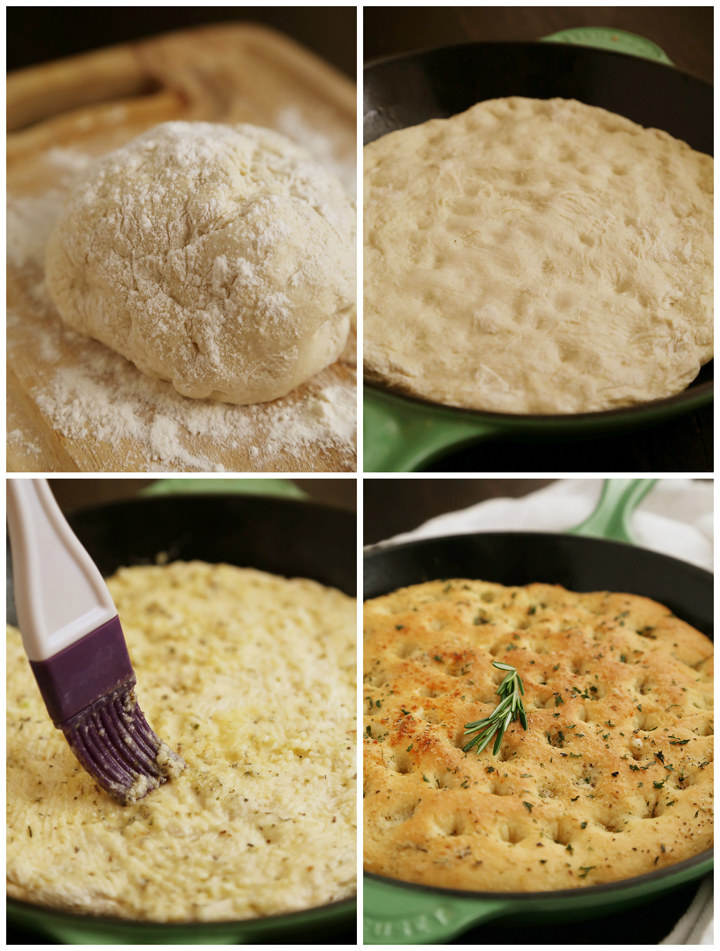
613 777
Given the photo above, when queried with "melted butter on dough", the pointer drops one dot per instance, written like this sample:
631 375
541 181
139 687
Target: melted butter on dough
251 678
537 256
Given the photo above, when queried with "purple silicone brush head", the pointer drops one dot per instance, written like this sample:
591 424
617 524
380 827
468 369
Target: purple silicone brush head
89 691
73 638
114 743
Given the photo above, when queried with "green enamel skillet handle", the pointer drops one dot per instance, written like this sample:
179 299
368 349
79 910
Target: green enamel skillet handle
611 517
280 487
604 38
397 915
401 436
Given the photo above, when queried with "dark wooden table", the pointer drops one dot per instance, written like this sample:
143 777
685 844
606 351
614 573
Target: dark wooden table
686 35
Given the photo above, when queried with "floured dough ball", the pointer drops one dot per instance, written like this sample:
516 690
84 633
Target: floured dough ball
220 258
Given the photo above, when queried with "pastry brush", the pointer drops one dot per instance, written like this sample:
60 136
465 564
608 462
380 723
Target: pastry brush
73 639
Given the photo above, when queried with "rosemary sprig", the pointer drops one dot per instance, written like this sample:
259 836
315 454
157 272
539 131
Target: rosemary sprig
510 708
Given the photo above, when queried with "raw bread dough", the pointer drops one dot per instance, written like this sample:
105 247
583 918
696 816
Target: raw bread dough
219 258
533 256
252 677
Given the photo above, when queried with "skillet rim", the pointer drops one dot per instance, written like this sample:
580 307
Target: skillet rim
406 54
382 547
559 893
703 392
75 917
84 920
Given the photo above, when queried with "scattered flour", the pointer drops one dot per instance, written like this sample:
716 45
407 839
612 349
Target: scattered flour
291 123
89 392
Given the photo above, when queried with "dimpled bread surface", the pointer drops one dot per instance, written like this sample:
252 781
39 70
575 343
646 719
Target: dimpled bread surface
613 777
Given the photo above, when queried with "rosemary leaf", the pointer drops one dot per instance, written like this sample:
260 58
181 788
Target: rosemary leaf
509 709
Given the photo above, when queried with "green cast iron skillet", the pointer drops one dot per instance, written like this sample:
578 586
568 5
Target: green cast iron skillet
282 536
404 433
401 913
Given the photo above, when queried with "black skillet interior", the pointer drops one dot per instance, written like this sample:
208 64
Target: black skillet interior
412 88
520 558
282 536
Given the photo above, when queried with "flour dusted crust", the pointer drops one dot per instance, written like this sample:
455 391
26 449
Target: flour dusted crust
613 777
537 256
220 258
252 678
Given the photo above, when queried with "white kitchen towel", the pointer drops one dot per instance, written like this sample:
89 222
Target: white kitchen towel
675 518
696 925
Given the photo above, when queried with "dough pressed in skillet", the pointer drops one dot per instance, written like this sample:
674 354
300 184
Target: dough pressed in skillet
251 677
613 777
537 256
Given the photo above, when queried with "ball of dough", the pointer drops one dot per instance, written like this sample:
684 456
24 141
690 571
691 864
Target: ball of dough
219 258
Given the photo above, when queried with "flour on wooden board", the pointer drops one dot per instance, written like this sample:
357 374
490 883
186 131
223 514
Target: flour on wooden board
104 398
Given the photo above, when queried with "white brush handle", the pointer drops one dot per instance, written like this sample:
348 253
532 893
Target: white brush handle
59 593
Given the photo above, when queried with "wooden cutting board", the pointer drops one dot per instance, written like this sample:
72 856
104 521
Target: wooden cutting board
91 104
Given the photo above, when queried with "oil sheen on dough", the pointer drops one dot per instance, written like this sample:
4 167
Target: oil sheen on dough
537 256
251 678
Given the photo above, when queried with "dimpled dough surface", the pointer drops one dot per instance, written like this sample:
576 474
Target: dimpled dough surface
249 676
537 256
219 258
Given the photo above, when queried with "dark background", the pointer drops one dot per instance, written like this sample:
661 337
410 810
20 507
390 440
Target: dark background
76 493
686 35
38 34
392 506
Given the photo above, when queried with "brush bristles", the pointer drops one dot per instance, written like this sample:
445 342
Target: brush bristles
115 745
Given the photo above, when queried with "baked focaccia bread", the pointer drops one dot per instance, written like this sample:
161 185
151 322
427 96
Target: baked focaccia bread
613 777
